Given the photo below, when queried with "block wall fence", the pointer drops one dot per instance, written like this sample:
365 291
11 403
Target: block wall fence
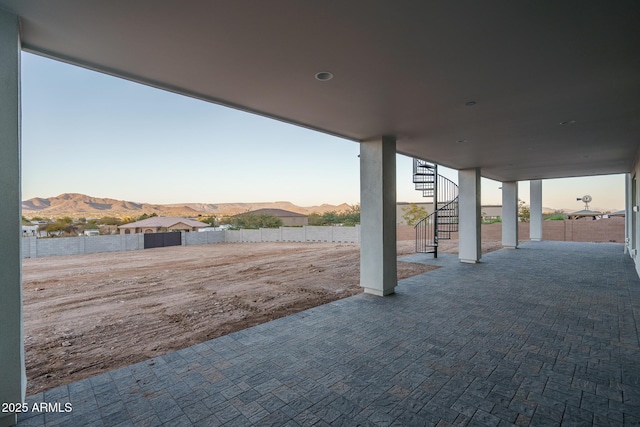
33 247
608 230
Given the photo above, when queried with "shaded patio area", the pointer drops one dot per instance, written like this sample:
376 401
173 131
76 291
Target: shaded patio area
543 335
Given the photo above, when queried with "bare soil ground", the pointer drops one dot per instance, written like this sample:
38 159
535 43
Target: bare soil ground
88 314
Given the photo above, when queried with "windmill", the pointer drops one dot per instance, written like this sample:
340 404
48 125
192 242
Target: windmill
586 199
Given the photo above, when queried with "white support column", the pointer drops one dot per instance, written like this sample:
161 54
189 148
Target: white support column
535 209
510 214
12 372
470 243
378 254
627 210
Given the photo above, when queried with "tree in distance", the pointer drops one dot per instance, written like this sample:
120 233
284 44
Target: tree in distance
555 216
109 220
350 217
61 227
250 220
211 220
524 212
413 213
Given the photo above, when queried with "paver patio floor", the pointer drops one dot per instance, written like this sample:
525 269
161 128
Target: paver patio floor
543 335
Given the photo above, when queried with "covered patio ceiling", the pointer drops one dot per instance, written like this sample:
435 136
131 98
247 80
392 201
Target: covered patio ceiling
554 85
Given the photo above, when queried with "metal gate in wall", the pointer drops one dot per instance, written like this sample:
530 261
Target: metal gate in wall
160 240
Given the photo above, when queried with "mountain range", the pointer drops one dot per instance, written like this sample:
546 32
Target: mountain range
80 205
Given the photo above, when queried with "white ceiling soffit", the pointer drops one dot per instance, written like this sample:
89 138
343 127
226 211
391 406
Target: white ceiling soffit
406 68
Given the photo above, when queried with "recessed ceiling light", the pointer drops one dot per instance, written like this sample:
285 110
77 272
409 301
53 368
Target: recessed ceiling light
324 76
568 122
460 141
470 103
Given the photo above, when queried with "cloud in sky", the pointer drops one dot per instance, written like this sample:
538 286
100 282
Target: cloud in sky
90 133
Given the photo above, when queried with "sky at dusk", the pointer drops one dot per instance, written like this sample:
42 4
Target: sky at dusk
86 132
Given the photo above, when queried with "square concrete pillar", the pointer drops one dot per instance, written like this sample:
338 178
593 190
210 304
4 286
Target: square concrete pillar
470 216
12 372
378 254
628 210
535 219
510 214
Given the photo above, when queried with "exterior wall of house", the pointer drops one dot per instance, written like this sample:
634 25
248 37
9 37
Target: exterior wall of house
633 216
182 227
176 227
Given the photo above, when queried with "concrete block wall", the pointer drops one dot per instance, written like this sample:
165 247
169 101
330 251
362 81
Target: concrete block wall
607 230
291 234
346 234
252 236
29 247
59 246
97 244
233 236
203 238
271 234
319 234
604 230
37 248
493 232
132 242
295 234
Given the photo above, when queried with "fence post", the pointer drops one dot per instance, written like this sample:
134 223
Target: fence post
33 247
82 245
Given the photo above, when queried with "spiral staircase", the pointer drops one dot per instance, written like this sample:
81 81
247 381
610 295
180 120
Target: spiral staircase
444 219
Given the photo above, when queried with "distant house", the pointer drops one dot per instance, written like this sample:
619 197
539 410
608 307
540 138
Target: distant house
585 214
491 212
288 218
161 223
29 230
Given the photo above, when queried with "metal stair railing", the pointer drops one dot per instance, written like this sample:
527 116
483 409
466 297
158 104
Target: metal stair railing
444 219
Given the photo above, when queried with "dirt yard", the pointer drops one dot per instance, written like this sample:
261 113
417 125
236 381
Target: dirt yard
88 314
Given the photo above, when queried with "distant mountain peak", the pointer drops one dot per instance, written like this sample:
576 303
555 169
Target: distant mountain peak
81 205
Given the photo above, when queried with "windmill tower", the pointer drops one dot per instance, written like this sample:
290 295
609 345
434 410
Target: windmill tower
586 199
